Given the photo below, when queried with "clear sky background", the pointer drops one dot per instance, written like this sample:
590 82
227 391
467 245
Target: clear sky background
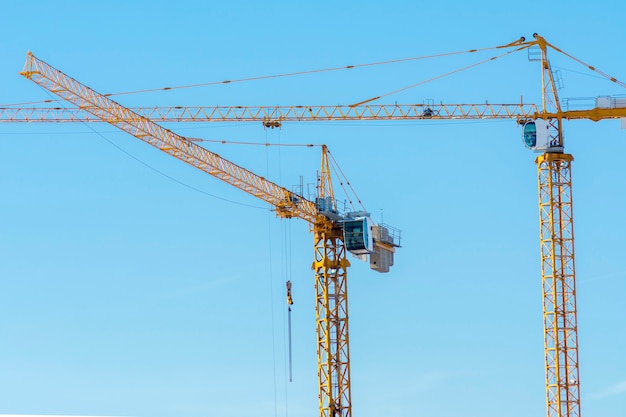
134 285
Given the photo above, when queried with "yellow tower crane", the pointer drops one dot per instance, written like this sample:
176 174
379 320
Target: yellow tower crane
335 233
542 132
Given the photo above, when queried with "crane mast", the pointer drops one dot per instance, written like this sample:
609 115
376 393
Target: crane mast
558 285
558 275
330 266
330 250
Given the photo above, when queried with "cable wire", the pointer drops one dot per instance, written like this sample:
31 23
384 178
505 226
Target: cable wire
592 68
342 177
161 172
291 74
438 77
288 74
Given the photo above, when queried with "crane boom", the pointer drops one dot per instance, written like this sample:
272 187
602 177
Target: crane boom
287 203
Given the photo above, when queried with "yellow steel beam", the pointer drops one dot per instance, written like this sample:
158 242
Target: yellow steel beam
287 203
331 287
272 114
559 285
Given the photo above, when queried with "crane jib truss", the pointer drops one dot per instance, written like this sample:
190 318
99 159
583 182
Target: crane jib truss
270 115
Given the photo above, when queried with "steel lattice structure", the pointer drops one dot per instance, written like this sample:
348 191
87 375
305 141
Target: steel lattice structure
559 285
555 206
333 352
273 114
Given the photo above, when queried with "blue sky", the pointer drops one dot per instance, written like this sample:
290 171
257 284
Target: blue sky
133 285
